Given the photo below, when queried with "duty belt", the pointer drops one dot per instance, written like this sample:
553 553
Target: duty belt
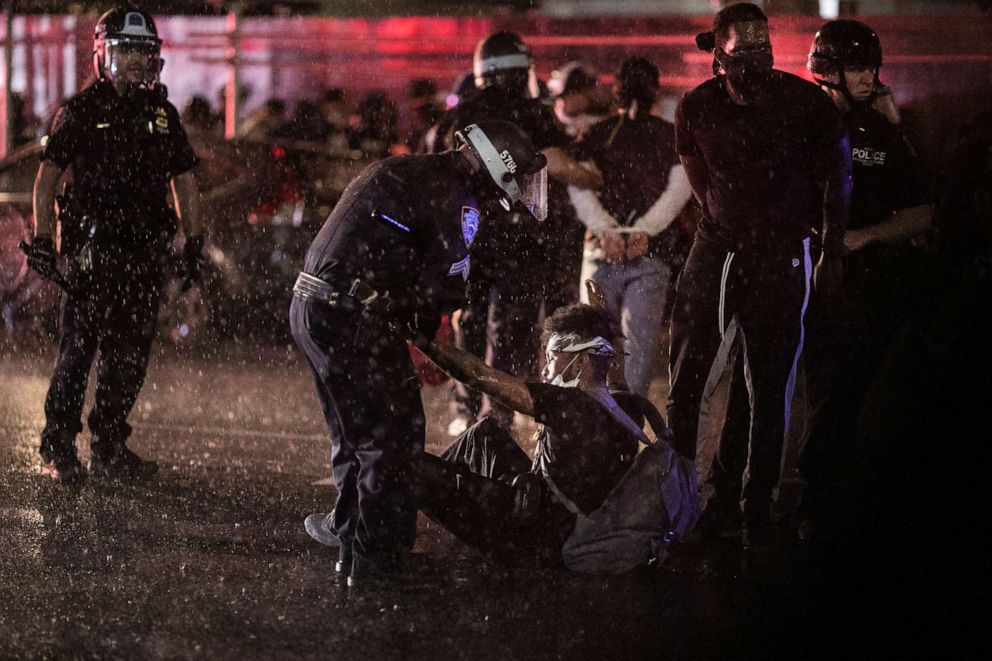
358 293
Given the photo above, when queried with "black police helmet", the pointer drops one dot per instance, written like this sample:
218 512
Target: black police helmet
844 43
498 55
128 27
508 160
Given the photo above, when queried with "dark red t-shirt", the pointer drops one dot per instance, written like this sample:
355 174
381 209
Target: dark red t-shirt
766 163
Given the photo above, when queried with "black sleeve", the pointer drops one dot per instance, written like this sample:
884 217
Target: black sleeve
909 187
545 131
65 139
829 128
182 158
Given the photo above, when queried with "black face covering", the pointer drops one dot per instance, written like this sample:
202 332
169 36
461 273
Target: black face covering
748 72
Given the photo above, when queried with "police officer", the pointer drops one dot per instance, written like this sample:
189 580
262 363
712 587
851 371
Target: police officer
515 251
762 149
882 268
122 146
392 258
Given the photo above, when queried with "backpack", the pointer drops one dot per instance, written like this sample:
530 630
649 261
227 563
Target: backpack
654 504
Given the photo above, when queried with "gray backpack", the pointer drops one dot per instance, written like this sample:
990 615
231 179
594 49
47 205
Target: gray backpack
654 504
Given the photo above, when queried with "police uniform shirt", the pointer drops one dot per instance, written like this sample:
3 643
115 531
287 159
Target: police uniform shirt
764 162
887 173
635 157
403 226
122 154
581 448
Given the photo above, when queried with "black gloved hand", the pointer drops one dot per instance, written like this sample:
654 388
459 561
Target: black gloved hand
41 255
192 260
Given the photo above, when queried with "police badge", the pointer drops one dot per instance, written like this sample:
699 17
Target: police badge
470 224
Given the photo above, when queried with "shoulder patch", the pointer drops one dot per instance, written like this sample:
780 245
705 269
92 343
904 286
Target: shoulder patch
470 224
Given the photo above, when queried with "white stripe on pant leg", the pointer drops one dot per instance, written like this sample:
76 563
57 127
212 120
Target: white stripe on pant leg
790 385
723 292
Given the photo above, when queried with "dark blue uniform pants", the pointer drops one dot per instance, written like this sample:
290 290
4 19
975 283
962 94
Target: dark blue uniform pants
371 402
116 314
768 294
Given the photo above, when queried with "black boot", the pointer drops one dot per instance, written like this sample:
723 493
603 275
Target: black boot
65 469
113 460
61 463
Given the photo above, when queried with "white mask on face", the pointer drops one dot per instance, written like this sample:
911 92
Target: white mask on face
558 380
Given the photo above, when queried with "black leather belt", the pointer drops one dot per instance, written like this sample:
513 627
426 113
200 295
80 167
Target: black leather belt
358 293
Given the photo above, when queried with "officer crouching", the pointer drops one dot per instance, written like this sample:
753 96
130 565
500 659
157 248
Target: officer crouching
122 147
390 260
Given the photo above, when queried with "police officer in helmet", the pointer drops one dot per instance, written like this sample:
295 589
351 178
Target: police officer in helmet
516 252
122 149
391 259
883 269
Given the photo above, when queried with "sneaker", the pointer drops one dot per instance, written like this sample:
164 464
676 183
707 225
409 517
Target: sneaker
65 470
320 526
120 463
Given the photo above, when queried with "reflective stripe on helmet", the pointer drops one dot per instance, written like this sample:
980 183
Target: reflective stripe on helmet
501 62
496 166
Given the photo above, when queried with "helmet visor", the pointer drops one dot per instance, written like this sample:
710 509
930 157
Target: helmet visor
123 54
534 193
519 185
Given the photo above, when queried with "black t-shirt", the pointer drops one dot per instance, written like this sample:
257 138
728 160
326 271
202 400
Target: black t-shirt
121 154
766 163
512 243
403 226
581 448
635 159
887 173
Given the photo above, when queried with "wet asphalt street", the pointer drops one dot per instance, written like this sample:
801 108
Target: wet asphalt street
210 559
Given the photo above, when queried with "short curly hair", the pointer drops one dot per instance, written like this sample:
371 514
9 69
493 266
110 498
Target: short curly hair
582 319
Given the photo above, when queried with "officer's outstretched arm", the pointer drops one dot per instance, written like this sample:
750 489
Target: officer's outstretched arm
186 195
45 184
569 171
473 372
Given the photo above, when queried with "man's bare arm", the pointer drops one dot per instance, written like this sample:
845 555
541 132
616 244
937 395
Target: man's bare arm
569 171
473 372
186 195
45 183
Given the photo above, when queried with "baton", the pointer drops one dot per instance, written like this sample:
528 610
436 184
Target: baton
55 277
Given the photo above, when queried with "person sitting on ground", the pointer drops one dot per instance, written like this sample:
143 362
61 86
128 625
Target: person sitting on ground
488 492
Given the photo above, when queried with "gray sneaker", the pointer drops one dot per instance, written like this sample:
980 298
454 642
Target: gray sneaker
320 526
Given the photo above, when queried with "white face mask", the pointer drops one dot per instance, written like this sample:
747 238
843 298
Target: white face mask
557 379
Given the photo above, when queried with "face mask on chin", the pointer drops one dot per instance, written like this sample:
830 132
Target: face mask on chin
558 380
